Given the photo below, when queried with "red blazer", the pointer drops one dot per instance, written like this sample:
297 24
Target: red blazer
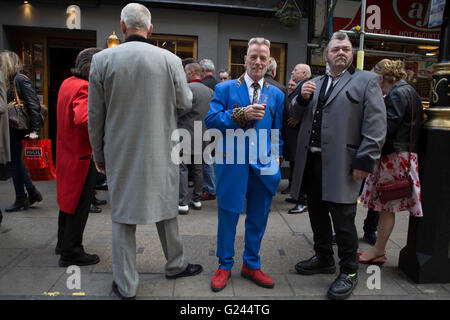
73 150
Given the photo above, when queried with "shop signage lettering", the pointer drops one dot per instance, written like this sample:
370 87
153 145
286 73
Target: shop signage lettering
396 17
73 17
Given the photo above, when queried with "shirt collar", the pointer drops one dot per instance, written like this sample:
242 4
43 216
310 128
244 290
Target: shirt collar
135 37
336 77
195 80
249 81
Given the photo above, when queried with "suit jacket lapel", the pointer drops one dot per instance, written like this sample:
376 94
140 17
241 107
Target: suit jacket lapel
346 77
319 85
243 92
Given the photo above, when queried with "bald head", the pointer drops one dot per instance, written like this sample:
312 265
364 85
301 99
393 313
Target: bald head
300 72
193 71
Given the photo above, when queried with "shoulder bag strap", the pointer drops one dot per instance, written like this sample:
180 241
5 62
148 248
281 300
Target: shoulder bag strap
16 95
411 130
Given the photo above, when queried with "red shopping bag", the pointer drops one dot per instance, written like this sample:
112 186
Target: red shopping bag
38 159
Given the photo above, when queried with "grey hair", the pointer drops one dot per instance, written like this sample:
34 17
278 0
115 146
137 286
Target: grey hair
258 40
207 65
338 35
83 63
137 16
307 69
272 65
195 67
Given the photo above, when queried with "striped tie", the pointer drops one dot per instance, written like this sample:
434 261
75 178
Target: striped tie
255 86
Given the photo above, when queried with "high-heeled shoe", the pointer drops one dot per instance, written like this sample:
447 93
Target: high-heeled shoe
379 260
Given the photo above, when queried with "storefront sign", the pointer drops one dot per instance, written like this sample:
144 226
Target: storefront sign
395 17
436 13
73 17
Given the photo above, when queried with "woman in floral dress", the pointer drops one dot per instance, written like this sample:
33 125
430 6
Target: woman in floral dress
396 163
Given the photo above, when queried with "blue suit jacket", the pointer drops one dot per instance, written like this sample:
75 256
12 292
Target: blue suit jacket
257 151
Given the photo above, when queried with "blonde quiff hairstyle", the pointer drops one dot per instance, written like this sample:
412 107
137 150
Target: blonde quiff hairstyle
10 63
391 70
258 40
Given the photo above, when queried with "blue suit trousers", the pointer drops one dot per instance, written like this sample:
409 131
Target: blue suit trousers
259 199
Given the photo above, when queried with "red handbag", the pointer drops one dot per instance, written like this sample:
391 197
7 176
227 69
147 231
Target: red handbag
403 188
38 159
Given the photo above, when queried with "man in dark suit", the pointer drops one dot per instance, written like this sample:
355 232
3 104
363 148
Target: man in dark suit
291 126
342 131
208 70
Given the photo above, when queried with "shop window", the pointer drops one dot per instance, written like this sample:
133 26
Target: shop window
238 49
183 47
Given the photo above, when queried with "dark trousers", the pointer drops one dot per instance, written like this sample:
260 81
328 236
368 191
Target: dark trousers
197 177
302 196
371 221
71 225
342 217
19 173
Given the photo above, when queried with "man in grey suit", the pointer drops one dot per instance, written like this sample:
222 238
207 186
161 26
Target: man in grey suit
136 93
342 131
201 97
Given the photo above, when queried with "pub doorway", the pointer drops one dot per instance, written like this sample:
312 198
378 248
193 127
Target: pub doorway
48 55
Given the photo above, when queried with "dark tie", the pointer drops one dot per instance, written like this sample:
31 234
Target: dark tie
255 86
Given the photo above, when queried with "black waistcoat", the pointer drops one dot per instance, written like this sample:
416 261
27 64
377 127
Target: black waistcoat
316 130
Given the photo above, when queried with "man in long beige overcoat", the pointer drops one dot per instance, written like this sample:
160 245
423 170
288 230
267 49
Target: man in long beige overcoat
136 93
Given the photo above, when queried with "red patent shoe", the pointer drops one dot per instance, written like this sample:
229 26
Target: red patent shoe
257 276
379 260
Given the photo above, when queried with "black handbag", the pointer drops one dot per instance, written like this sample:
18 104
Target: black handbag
403 188
17 113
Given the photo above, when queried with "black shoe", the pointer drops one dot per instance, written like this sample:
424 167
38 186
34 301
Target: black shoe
34 196
370 237
343 286
291 200
116 291
286 191
1 217
102 186
98 202
191 270
299 208
94 209
21 203
82 259
314 266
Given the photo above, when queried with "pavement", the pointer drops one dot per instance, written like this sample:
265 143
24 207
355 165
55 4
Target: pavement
29 267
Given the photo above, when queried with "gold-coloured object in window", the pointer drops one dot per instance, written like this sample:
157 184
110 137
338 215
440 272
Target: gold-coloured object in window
112 40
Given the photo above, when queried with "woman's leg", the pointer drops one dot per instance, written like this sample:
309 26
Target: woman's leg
386 224
16 163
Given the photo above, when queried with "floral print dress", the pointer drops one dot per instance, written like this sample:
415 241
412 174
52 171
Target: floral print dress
394 167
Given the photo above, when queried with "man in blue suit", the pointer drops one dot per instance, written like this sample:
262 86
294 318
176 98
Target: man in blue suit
247 161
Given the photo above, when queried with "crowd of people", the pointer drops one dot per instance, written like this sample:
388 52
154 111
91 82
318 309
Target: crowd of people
343 134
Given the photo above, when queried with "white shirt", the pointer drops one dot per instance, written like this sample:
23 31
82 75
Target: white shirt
249 82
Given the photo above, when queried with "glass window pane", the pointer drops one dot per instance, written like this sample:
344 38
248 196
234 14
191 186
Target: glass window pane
185 49
237 54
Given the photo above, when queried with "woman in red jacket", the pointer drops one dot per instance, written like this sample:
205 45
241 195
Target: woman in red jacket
75 170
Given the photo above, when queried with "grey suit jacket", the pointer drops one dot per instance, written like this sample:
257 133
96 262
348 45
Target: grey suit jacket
201 97
136 93
353 133
5 154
